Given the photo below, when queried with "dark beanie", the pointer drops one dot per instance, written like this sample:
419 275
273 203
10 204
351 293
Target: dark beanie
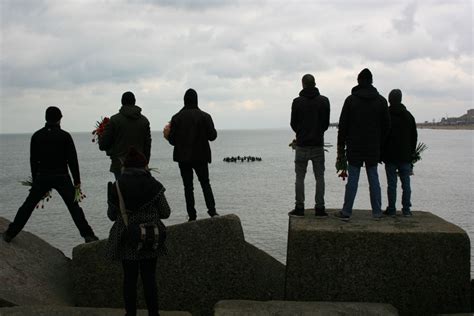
191 97
128 98
395 96
365 76
53 114
134 159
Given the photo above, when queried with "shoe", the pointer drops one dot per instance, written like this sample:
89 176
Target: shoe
342 216
213 213
407 213
390 213
377 217
320 212
90 238
297 212
191 219
7 237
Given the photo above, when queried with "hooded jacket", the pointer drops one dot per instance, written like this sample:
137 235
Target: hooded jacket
363 125
126 128
310 117
191 131
401 142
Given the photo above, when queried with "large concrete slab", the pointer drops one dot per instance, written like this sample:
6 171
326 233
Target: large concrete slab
288 308
74 311
420 265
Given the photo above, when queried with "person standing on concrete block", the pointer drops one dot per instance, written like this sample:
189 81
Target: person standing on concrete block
398 153
129 127
309 120
52 152
190 131
363 128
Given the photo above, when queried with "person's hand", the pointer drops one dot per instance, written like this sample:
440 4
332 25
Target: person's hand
167 130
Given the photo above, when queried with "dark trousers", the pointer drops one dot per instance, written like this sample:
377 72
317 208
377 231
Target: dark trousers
41 185
147 268
202 172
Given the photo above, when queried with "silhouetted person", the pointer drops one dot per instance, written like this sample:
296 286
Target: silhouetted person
190 132
145 202
52 152
309 120
125 129
398 153
363 127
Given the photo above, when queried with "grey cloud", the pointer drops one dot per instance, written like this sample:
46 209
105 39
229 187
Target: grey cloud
406 23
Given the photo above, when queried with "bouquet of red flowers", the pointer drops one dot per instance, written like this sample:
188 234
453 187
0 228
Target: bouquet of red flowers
99 128
46 197
341 164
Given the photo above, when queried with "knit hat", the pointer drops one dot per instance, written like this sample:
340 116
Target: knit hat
128 98
395 96
53 114
191 97
134 159
365 76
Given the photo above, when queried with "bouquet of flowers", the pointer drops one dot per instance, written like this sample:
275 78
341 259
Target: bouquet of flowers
341 164
99 128
46 197
78 195
421 147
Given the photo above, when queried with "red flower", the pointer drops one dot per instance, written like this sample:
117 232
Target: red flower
99 128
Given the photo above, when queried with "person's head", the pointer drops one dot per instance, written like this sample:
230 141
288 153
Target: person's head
53 115
395 96
134 159
128 98
365 77
308 81
191 97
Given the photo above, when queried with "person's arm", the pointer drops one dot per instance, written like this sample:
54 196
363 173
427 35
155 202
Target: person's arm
293 120
385 122
325 114
172 132
112 202
163 207
147 144
343 126
211 131
34 157
414 134
72 160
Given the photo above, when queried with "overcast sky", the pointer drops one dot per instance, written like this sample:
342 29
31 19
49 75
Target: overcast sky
244 58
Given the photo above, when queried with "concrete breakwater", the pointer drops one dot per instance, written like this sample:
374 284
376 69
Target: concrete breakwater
420 266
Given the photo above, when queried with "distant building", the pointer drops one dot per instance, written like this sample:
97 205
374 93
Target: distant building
467 118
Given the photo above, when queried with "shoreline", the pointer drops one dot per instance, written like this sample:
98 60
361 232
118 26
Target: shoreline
446 127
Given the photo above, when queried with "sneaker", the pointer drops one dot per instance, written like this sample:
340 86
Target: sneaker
90 238
191 219
377 217
320 212
213 213
390 213
7 237
342 216
407 213
296 212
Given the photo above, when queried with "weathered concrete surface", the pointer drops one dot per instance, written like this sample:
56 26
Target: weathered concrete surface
32 271
420 265
208 261
74 311
289 308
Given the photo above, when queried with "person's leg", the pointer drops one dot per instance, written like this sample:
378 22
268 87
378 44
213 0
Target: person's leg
202 172
391 172
374 189
38 190
351 189
405 170
301 164
187 175
130 276
66 190
148 275
318 169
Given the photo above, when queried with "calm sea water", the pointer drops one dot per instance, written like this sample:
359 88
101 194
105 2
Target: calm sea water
260 193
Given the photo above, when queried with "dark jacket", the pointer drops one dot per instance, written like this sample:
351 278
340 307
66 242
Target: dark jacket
363 125
310 117
126 128
191 131
52 150
401 142
145 200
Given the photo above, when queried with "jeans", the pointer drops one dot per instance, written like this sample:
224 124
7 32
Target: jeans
351 190
316 155
404 170
147 269
41 185
202 172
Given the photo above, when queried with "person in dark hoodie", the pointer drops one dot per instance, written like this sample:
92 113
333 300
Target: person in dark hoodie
309 120
52 152
129 127
190 131
363 128
398 153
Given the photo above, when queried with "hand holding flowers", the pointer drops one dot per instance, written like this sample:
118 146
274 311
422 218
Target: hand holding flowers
99 128
341 164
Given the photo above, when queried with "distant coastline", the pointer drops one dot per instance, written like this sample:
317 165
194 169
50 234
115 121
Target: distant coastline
445 127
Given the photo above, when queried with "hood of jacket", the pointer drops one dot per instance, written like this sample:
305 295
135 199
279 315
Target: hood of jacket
309 93
131 111
397 109
365 91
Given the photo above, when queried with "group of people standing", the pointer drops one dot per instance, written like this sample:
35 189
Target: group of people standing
369 132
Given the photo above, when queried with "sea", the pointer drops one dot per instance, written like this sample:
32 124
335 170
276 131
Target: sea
260 193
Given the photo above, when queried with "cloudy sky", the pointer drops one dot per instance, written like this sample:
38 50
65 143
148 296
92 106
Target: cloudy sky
244 58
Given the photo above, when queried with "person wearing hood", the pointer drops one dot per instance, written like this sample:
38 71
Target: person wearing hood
309 120
363 128
52 153
398 153
190 131
129 127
